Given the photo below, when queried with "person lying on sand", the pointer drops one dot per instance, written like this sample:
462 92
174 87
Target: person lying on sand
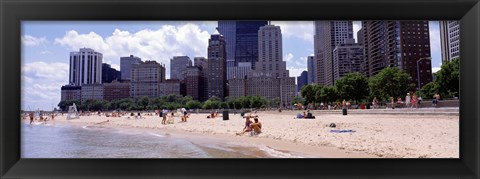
300 116
247 127
256 126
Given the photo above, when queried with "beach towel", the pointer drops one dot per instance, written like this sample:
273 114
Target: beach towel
341 131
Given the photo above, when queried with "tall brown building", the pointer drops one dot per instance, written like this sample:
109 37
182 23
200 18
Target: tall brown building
216 70
400 44
194 83
116 90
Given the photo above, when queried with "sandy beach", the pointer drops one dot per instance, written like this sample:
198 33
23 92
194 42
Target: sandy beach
384 136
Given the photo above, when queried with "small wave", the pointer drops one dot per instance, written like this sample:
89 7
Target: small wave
266 149
158 135
85 127
276 153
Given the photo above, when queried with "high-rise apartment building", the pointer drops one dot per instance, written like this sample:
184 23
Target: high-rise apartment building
194 83
347 58
216 71
399 44
92 92
145 79
178 67
116 90
450 40
170 87
71 92
85 67
328 34
126 65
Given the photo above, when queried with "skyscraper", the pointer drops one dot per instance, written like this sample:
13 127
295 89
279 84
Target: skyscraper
145 79
178 67
194 83
216 71
400 44
85 67
246 41
328 34
126 65
270 79
229 31
310 69
302 80
450 40
347 58
109 74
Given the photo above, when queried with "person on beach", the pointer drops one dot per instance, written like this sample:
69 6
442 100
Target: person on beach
436 97
414 101
247 127
53 116
256 126
31 117
419 100
375 103
300 116
393 102
171 119
407 100
164 117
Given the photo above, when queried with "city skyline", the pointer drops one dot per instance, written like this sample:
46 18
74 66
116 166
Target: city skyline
45 65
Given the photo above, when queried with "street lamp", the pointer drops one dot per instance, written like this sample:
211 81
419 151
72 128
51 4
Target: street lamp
418 73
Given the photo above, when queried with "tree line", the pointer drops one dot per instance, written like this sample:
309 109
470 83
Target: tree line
170 102
387 84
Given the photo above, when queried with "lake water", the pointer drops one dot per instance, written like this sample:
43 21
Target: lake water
64 141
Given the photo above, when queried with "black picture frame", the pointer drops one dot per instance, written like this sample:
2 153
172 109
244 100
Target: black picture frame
12 12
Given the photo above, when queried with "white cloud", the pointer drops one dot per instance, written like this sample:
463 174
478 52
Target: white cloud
295 65
298 29
45 52
41 82
288 57
435 69
29 40
159 44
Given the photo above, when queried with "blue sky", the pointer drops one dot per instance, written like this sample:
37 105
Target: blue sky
46 46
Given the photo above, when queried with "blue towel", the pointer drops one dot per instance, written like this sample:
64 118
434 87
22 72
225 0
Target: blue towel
341 131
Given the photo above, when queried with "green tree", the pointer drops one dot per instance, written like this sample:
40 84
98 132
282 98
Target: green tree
193 104
429 90
352 86
391 82
448 78
309 93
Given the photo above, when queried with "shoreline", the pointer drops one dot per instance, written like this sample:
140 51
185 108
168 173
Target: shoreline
298 150
375 136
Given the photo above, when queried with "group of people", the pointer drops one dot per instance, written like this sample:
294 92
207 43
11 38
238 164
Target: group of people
41 118
307 115
213 115
254 128
165 114
411 101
